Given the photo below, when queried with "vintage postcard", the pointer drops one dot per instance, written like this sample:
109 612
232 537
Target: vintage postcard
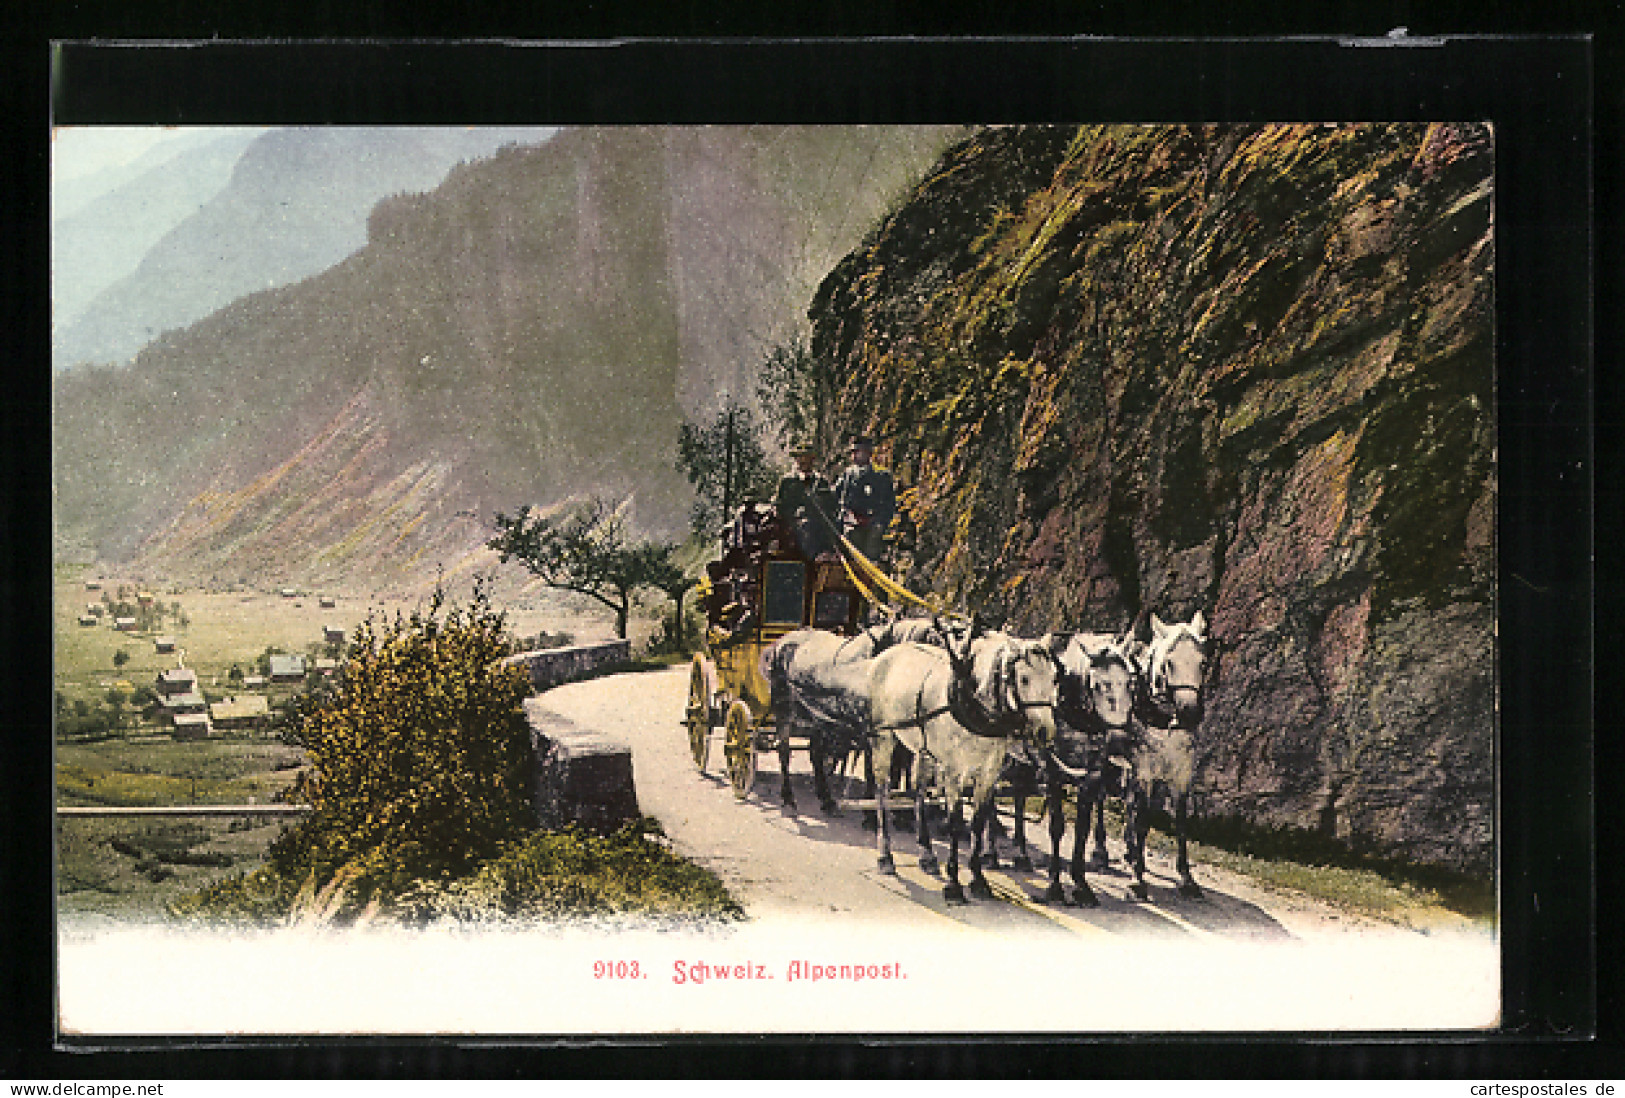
677 579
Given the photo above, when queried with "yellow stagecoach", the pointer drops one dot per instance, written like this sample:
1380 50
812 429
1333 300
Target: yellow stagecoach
763 587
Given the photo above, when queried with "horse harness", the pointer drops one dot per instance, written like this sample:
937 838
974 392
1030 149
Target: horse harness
1153 700
967 709
1078 713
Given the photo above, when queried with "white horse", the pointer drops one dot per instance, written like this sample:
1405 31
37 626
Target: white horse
1096 698
958 709
1164 751
1097 701
819 683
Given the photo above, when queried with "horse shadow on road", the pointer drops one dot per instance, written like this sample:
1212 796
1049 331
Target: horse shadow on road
1019 904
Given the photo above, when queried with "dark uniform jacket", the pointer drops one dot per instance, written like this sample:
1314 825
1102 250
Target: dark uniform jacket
807 505
868 504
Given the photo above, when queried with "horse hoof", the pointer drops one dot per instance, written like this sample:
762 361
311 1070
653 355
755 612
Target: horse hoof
1084 897
1099 859
1023 864
886 866
1139 892
830 808
1055 893
953 893
929 864
1190 890
981 889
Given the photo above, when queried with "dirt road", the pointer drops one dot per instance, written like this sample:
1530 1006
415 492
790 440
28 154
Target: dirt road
782 863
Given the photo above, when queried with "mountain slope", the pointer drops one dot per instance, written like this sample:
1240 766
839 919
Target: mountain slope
1246 370
536 326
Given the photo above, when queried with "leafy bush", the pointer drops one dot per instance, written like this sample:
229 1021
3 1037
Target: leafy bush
544 639
263 896
81 721
570 874
420 757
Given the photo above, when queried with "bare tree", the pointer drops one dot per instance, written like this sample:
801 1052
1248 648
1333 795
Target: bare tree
586 546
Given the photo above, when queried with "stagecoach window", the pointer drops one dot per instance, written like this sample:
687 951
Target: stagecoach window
832 607
786 592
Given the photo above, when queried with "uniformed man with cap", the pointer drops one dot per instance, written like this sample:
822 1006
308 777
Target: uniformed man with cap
867 500
806 503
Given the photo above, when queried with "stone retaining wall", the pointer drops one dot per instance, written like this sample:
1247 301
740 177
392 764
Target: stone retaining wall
551 666
582 777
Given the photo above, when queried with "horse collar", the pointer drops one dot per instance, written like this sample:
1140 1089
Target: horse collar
971 714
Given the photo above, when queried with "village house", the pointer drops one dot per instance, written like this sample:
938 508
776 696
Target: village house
287 668
176 704
326 667
164 644
87 619
252 681
95 608
192 726
178 680
328 602
124 625
243 711
333 635
93 585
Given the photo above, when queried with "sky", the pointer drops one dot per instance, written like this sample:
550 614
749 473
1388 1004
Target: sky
78 151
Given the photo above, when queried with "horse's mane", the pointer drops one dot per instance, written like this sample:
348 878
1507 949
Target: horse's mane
993 657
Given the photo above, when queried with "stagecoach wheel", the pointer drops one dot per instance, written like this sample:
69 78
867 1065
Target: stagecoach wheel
698 714
740 748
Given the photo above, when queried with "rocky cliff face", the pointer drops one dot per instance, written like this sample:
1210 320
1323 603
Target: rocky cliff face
1247 370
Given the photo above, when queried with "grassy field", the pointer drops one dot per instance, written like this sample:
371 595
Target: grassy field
226 628
155 770
131 869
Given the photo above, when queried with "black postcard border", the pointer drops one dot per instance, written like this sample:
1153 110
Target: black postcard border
1538 91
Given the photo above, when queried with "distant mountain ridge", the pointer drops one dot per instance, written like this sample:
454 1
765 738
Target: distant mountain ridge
536 326
102 225
296 203
73 188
